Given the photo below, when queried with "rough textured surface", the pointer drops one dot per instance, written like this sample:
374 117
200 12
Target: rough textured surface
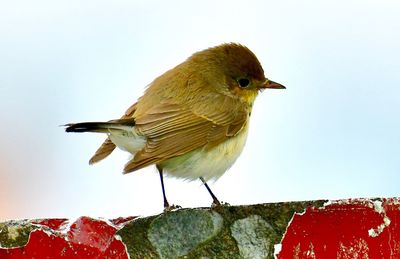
219 244
253 236
356 228
15 233
58 238
362 228
175 234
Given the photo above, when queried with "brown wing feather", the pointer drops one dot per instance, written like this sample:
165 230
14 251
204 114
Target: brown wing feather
108 146
103 151
173 130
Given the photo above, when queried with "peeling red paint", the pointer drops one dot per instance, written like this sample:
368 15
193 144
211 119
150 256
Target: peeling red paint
392 208
122 221
345 229
87 231
85 238
54 224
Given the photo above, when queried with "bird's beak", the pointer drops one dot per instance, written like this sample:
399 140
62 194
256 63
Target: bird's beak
273 85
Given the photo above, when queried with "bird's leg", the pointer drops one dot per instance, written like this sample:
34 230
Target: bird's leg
167 207
215 200
166 204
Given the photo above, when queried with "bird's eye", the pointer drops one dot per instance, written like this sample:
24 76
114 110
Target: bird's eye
243 82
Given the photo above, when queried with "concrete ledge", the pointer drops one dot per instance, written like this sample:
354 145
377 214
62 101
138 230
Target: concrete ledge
354 228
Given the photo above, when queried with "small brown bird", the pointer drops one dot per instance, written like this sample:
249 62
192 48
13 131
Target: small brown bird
192 121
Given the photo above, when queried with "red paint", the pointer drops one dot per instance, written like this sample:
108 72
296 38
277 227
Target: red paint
392 207
341 230
86 238
54 224
121 221
95 233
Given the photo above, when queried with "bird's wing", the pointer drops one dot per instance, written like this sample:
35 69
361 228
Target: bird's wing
173 130
108 146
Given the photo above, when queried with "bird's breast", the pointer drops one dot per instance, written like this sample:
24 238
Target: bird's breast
207 163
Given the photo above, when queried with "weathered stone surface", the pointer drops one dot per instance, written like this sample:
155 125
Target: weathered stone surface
254 237
220 231
177 233
15 233
353 228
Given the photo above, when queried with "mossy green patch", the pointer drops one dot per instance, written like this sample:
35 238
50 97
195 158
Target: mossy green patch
15 233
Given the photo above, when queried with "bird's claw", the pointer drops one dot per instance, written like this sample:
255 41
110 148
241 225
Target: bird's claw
172 208
217 203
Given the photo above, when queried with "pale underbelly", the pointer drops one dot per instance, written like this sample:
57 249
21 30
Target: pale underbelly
209 164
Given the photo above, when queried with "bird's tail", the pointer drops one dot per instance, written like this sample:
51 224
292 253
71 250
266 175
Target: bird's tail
101 127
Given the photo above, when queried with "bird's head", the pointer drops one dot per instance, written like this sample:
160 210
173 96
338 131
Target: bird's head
234 70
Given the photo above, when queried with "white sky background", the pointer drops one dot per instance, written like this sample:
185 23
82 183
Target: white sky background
333 133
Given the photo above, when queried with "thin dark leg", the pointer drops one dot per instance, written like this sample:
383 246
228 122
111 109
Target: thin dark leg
160 171
215 200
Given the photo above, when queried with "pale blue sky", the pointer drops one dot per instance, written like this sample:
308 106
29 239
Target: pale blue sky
333 133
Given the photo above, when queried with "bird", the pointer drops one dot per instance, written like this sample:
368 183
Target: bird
192 121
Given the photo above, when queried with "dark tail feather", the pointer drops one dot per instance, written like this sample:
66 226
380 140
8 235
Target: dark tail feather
101 127
87 127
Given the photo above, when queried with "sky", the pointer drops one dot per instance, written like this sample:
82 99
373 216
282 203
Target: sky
334 133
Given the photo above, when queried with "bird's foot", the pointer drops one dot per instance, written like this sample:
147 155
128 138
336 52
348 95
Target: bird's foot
217 203
171 207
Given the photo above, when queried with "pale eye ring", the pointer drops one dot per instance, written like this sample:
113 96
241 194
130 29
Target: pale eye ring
243 82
